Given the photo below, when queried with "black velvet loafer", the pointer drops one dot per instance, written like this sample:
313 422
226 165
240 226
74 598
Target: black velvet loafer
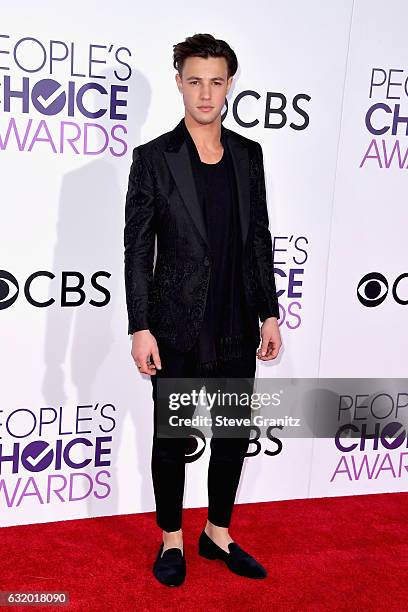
170 569
237 560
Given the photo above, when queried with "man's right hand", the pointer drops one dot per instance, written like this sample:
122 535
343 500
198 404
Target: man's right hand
145 352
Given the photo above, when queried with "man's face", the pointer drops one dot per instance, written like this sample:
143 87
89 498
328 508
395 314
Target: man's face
204 85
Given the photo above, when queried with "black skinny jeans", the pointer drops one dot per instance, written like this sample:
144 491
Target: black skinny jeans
227 454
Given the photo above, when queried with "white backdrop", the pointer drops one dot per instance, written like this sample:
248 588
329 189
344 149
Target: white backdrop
337 213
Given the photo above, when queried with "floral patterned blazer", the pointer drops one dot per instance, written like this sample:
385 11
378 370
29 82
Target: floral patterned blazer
167 294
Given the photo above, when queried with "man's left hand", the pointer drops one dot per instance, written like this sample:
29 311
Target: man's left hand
271 340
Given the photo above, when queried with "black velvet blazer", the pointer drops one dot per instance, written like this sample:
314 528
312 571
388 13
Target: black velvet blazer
168 297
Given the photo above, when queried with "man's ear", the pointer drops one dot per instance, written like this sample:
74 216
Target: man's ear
229 83
178 82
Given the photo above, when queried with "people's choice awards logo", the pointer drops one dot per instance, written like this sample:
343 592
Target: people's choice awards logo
371 436
56 454
58 96
386 118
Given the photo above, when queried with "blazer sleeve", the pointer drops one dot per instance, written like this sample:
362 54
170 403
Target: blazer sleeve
268 305
139 241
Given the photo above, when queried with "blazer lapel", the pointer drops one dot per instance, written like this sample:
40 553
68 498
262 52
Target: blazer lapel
178 159
180 165
240 160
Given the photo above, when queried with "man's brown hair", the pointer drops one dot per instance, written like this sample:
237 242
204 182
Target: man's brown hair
204 45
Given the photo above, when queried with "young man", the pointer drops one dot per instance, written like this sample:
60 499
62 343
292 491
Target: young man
200 189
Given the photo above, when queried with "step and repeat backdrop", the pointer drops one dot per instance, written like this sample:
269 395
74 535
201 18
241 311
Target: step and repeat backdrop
323 87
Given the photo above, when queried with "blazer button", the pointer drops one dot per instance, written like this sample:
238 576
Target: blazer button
206 261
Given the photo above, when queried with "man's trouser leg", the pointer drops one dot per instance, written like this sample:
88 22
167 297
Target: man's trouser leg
228 454
168 454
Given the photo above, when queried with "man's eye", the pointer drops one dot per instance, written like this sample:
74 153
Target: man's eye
215 82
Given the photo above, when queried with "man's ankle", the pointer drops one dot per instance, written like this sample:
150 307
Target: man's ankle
175 537
211 528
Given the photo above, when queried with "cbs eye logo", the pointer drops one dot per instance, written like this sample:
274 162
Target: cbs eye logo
71 282
8 289
373 289
195 445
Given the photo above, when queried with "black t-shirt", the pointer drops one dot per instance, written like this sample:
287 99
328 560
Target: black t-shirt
218 214
224 324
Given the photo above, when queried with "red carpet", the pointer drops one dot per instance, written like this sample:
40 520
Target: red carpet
344 553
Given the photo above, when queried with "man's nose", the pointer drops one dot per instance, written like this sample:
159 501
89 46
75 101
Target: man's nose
205 92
